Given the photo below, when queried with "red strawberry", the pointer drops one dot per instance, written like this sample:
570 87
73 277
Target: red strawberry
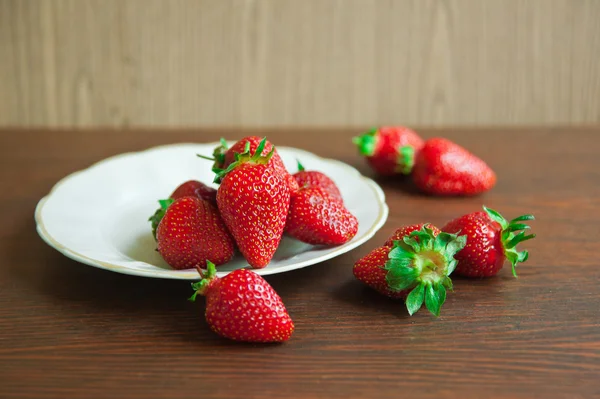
313 178
417 267
191 232
404 231
190 188
254 200
390 150
242 306
490 241
317 218
224 156
194 188
445 168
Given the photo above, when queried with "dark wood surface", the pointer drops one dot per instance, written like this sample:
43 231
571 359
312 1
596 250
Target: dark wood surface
69 330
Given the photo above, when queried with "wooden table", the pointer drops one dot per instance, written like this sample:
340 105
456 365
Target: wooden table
68 330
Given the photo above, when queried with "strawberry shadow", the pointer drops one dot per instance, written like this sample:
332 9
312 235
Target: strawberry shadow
365 299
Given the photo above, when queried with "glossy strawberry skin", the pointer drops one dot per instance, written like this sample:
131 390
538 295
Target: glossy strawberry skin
404 231
242 306
194 188
385 159
483 256
370 270
313 178
254 200
192 232
442 167
317 218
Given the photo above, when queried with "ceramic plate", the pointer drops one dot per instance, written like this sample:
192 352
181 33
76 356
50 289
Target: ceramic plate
99 216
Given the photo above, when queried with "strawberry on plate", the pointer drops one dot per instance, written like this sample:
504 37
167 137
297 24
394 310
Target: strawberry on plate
491 240
312 178
254 199
444 168
190 188
190 232
417 267
242 306
316 217
390 150
223 156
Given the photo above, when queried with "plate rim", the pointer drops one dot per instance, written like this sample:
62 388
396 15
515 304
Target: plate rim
192 274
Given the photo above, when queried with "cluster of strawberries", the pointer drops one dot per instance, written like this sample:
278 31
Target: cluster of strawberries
438 166
416 261
257 201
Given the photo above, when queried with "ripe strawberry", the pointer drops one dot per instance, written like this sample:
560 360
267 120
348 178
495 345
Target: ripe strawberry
254 200
191 188
390 150
191 232
404 231
313 178
224 156
490 241
194 188
445 168
315 217
417 267
242 306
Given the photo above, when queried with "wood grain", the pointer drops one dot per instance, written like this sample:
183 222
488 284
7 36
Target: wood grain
69 330
288 62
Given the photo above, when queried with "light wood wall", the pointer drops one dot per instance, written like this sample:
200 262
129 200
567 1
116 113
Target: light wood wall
299 62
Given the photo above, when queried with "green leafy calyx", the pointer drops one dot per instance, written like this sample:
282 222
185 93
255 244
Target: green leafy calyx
422 262
512 233
246 157
159 214
207 276
367 142
300 166
406 160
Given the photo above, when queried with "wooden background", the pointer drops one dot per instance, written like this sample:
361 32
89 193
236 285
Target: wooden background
299 62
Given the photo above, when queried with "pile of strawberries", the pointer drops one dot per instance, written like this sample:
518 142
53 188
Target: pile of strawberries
256 203
416 261
438 166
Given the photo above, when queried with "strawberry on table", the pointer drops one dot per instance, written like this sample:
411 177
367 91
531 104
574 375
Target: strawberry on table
390 150
242 306
192 231
491 240
443 167
190 188
254 199
417 267
312 178
315 217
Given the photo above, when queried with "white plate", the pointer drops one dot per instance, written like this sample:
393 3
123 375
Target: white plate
99 216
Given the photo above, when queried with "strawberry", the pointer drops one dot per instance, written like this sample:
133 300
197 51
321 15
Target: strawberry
390 150
403 231
442 167
190 188
315 217
194 188
191 232
254 200
417 267
224 156
490 241
313 178
242 306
